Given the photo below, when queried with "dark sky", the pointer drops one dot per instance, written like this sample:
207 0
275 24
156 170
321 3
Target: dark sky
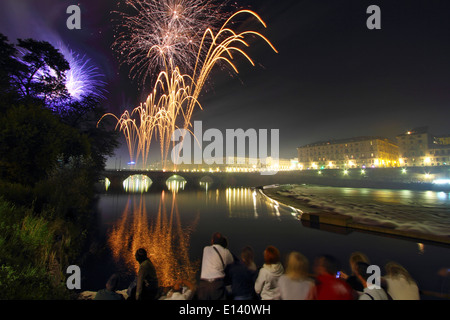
332 78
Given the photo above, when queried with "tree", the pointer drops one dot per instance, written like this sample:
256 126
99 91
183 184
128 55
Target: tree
41 72
83 116
42 127
32 140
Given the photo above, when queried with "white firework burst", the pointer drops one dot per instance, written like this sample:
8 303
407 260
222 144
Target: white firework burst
83 78
152 32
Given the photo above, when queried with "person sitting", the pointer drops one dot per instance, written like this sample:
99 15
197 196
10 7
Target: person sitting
109 293
181 290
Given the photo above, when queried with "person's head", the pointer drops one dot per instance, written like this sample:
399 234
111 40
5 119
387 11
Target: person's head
177 287
297 266
247 256
326 264
393 269
141 255
113 282
271 255
356 257
361 271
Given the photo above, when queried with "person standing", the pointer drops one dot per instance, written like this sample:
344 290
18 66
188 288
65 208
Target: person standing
295 283
242 276
215 259
266 285
400 284
352 279
328 286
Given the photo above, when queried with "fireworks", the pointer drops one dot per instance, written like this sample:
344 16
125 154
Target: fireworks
155 30
159 116
83 78
175 96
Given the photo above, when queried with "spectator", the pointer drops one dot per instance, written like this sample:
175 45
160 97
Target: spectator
182 290
212 275
328 287
370 292
400 284
242 276
145 286
295 283
352 279
109 293
266 284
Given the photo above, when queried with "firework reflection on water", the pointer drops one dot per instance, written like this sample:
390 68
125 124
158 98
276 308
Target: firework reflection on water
163 237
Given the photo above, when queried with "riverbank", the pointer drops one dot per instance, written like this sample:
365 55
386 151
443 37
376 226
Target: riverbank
321 211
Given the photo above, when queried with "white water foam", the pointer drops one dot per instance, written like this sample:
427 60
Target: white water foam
419 211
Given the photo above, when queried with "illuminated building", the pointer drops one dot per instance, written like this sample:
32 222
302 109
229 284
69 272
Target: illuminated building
420 148
237 164
359 152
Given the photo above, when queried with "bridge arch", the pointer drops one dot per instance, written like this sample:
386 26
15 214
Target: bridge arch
137 183
206 182
175 183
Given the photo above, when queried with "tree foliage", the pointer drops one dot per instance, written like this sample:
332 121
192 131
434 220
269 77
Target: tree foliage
51 154
42 127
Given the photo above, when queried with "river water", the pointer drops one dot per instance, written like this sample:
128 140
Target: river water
174 226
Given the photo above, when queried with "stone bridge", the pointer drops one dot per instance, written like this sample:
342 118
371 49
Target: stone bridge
419 178
193 179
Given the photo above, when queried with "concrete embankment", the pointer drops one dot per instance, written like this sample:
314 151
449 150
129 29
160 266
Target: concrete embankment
317 218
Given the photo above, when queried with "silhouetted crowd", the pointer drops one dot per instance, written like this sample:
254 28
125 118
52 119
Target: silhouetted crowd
224 276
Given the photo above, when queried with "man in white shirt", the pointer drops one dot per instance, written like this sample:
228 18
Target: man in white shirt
215 259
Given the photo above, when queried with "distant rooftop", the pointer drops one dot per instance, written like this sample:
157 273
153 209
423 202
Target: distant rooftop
338 141
418 130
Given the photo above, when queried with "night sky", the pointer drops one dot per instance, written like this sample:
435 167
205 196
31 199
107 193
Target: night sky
332 78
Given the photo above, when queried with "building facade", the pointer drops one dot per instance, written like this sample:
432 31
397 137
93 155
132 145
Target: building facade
359 152
420 148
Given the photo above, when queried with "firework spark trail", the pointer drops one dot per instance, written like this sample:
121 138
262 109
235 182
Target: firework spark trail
175 26
83 78
157 117
178 93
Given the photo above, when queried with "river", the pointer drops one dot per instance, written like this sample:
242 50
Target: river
174 226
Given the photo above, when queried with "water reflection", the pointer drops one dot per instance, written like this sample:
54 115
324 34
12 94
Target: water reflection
164 238
236 199
204 185
250 203
151 220
137 183
421 248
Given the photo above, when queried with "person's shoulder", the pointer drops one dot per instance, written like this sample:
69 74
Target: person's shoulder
365 296
283 277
